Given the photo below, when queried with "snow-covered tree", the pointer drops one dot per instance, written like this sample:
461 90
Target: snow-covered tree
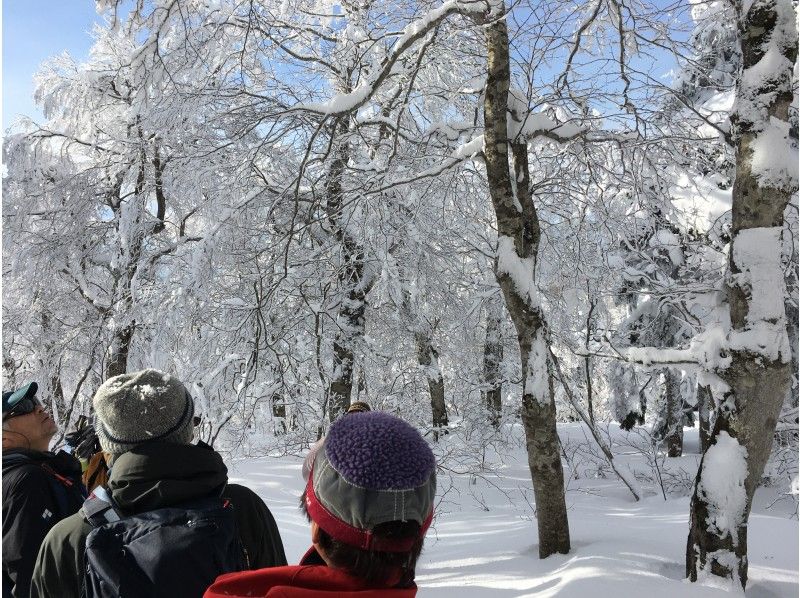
758 352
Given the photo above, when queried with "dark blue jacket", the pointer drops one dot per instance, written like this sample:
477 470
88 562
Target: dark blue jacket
39 490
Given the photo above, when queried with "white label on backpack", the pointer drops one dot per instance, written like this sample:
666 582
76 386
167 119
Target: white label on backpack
46 514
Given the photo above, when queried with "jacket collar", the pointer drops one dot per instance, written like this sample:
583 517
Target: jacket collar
61 461
304 579
161 474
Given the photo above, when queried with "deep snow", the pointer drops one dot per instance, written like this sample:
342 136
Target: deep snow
483 541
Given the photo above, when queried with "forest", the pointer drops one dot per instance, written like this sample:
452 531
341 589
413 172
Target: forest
558 230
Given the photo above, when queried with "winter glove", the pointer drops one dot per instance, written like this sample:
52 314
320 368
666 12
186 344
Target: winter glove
84 442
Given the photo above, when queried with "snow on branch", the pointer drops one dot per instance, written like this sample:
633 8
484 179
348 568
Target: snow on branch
524 124
467 151
758 272
557 124
413 32
707 350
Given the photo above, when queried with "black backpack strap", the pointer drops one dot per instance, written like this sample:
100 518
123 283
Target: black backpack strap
99 508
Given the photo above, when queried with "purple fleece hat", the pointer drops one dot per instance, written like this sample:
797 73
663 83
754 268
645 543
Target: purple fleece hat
374 468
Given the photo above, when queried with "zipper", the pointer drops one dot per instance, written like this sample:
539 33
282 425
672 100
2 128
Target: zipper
64 480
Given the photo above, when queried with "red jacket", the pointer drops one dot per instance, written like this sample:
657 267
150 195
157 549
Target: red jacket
300 581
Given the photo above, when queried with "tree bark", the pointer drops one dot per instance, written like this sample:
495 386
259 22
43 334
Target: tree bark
118 350
428 359
704 405
587 361
279 414
518 232
673 425
492 359
793 328
758 375
141 231
52 364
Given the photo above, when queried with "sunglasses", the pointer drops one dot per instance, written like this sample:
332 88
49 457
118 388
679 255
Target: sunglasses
24 407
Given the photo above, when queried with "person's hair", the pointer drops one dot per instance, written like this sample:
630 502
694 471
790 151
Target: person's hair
375 567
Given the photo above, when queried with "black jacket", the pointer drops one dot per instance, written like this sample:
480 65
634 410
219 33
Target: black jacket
39 490
152 476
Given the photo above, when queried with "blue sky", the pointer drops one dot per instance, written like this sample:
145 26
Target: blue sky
34 30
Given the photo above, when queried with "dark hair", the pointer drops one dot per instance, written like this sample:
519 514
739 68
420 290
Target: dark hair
373 566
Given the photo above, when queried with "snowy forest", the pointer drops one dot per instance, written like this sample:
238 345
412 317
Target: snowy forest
559 238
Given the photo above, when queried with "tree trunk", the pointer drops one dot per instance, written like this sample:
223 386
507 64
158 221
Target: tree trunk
704 405
279 414
117 354
793 327
674 413
52 364
352 286
428 359
119 348
55 390
587 360
518 244
759 372
492 359
544 458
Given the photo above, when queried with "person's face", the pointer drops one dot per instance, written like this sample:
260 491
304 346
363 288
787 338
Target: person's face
29 430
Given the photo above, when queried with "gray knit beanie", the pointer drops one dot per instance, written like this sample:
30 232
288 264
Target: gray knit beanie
135 408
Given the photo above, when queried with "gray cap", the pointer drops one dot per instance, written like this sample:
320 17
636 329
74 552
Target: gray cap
141 407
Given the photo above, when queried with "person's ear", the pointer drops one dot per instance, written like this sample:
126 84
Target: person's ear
315 533
316 536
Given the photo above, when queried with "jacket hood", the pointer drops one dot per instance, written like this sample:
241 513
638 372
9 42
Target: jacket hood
161 474
19 456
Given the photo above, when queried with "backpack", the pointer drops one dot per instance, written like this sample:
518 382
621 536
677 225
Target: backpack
173 551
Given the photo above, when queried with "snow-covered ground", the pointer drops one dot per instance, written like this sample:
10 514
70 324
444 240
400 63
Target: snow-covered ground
483 542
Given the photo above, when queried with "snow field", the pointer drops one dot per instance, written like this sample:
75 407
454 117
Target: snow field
483 541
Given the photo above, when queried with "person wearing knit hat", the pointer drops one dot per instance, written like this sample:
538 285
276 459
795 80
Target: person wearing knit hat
369 500
142 407
144 422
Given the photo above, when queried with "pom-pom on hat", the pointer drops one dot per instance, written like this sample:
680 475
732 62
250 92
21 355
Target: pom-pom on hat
374 468
135 408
